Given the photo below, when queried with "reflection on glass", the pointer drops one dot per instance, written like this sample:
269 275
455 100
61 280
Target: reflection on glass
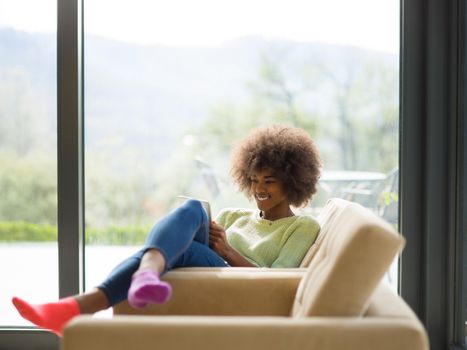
28 180
167 96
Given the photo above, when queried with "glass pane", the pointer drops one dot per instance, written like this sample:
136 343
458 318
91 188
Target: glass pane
28 152
167 94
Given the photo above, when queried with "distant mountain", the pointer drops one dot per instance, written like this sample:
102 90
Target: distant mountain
146 95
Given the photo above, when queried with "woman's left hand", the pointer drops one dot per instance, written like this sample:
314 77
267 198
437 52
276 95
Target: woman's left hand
218 240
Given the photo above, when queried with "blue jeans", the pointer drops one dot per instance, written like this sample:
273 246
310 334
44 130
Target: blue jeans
182 237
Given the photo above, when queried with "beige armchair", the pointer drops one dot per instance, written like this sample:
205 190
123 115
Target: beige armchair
337 300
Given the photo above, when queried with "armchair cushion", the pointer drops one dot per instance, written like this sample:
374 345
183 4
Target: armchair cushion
356 250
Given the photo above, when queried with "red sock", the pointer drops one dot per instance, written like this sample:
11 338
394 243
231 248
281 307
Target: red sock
51 316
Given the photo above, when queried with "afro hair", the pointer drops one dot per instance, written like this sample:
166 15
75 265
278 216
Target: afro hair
288 152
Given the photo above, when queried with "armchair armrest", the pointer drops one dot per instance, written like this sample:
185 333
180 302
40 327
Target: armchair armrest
225 291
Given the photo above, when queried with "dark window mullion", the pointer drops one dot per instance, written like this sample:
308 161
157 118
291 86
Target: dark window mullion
412 124
461 215
432 63
458 265
70 146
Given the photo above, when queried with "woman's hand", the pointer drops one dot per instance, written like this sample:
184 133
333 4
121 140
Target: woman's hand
218 242
218 239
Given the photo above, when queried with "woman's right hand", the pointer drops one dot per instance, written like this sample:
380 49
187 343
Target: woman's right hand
218 239
218 242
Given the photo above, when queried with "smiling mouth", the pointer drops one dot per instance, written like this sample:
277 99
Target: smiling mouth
261 197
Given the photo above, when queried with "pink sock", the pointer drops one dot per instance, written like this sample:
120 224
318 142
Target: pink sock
146 287
51 316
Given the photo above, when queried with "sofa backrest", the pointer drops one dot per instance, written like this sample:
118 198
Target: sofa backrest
353 251
326 221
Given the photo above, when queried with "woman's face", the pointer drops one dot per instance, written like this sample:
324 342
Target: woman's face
269 195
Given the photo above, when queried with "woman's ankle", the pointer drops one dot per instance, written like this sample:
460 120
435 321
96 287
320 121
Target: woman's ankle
92 301
152 260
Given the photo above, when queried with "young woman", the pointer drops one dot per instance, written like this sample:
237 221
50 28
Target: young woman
277 166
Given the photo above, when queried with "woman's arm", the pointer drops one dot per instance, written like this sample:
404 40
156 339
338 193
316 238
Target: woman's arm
298 244
218 242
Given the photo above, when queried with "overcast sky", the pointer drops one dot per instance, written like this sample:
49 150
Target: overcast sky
363 23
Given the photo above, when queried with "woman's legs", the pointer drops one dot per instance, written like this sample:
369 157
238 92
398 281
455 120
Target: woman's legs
92 301
165 245
174 233
199 255
179 239
152 260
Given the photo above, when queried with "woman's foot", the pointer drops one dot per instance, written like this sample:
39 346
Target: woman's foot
50 316
146 287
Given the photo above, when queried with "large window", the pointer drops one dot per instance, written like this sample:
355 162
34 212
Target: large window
28 166
168 92
431 91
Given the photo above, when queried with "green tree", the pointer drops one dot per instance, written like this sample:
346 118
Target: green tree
28 188
272 99
348 104
118 188
23 112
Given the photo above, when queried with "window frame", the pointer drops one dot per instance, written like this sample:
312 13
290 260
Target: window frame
70 148
70 171
432 165
460 330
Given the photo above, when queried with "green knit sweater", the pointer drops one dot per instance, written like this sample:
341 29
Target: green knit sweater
278 243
